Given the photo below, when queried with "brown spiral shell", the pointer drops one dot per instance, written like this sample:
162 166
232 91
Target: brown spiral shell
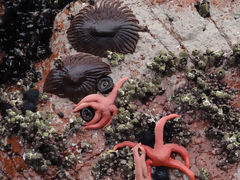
107 26
77 77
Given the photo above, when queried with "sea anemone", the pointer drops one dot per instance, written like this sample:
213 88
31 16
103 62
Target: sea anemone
105 26
77 77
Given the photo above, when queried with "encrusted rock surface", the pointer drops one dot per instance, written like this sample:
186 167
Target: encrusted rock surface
173 26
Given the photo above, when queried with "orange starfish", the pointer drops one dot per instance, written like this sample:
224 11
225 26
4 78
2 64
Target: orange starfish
104 107
140 164
160 155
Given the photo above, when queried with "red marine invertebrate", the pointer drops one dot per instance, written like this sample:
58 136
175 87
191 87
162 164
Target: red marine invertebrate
140 164
105 26
160 155
77 77
104 106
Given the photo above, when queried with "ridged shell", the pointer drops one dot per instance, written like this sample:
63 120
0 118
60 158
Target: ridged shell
77 77
105 26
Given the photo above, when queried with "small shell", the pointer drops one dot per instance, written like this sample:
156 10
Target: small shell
107 26
77 77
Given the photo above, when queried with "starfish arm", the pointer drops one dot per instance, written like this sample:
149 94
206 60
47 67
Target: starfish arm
94 105
172 163
123 144
148 149
113 93
109 122
159 130
95 119
149 168
90 98
101 123
182 151
114 112
140 164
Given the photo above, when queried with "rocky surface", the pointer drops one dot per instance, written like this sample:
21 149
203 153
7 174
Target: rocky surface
173 26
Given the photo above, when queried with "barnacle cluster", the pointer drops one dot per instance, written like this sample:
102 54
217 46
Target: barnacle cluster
203 174
142 90
30 78
74 126
25 30
168 63
208 59
45 146
115 58
110 160
58 62
206 92
127 125
234 58
36 159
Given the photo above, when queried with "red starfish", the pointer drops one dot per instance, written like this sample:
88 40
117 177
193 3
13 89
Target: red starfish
140 164
161 154
105 109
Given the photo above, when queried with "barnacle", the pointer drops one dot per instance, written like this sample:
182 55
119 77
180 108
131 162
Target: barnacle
105 26
220 74
203 8
77 77
167 63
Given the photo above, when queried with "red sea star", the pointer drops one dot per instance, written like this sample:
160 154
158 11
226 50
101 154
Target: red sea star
104 106
161 154
140 164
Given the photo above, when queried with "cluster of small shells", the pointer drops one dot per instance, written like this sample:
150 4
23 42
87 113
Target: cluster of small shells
203 174
212 96
234 59
45 146
29 80
168 63
115 58
138 89
217 59
110 161
73 126
208 59
58 62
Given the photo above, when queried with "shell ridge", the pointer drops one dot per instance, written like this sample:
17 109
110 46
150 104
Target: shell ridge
114 13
